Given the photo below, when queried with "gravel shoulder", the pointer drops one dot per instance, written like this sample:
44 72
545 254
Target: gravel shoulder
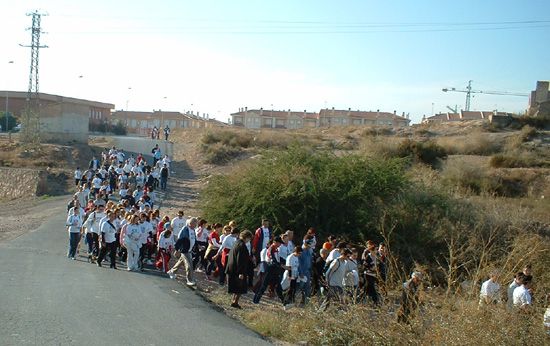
21 216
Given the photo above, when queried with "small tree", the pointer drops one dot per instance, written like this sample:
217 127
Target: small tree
11 122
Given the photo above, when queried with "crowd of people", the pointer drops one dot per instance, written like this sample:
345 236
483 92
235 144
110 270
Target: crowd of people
114 211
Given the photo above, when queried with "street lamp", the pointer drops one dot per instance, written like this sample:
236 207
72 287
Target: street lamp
7 101
128 98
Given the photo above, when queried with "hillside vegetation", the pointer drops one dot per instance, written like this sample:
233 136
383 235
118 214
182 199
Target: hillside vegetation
454 201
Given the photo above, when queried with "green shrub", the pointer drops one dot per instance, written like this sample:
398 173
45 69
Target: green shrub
300 188
425 152
119 129
219 153
517 160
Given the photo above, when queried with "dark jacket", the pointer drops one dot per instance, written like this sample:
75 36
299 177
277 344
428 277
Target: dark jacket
238 260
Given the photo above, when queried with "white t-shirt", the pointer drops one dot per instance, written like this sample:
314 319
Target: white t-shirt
510 292
78 174
333 255
283 251
293 262
96 183
178 223
81 212
546 321
203 236
166 243
133 233
92 223
145 228
108 231
227 243
522 297
489 289
74 222
82 197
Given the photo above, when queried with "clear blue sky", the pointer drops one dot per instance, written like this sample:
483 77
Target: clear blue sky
217 56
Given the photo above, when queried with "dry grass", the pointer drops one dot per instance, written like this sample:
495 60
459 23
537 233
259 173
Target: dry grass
453 320
477 143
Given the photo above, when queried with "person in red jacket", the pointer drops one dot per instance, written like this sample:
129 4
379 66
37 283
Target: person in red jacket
261 239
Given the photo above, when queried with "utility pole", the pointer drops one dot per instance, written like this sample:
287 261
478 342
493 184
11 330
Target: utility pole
31 117
468 95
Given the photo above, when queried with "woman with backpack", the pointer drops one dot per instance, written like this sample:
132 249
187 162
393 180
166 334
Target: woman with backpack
335 275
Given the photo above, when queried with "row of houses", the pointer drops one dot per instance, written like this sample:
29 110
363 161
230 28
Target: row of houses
260 118
143 122
463 116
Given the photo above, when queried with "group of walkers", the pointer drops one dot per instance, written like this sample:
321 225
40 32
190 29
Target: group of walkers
113 210
155 133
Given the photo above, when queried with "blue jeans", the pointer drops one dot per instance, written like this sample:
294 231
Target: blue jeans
74 239
305 288
163 183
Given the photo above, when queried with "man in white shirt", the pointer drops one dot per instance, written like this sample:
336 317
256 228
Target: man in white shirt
178 222
522 296
92 231
108 240
515 284
77 176
490 291
96 183
284 251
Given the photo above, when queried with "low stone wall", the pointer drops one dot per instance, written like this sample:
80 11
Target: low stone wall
21 182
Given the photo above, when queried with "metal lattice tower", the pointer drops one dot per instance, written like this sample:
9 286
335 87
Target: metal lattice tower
31 117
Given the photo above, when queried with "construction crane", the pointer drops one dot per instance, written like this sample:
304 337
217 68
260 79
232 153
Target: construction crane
469 91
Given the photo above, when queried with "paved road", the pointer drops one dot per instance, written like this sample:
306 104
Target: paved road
47 299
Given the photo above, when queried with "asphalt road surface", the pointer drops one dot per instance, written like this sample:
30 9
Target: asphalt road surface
47 299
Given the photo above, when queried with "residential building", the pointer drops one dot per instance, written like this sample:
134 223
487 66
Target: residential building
462 116
260 118
62 118
539 96
143 122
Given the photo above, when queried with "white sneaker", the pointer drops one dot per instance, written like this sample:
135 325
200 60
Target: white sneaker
288 306
171 275
191 283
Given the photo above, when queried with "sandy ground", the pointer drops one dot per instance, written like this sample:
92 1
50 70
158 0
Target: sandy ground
24 215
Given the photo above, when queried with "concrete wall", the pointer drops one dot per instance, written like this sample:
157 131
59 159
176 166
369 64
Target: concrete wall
21 182
62 123
142 145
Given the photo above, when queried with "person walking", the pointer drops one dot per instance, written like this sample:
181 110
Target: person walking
92 231
273 272
335 275
213 247
227 241
261 239
184 245
132 242
74 226
201 236
238 267
292 274
409 298
163 177
305 268
108 240
490 291
166 133
165 246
